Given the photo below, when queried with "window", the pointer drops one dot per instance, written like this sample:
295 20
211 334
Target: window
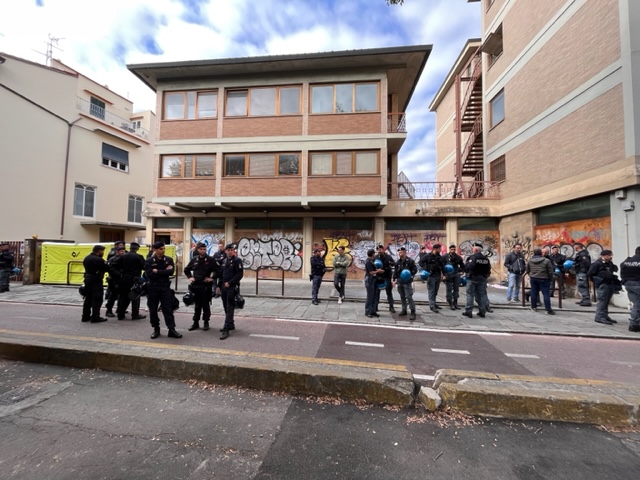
187 166
263 102
344 163
497 170
114 157
497 109
134 213
136 124
190 105
344 98
97 108
84 199
262 164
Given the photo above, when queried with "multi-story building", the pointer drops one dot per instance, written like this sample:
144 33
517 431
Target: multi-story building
282 154
77 161
548 104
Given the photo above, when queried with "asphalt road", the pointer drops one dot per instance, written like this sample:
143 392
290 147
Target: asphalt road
58 423
423 351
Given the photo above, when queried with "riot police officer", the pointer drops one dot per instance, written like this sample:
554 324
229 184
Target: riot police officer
201 272
232 273
158 269
94 269
131 265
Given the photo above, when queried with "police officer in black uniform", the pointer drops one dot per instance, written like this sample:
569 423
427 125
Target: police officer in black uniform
113 280
432 263
557 260
478 268
6 264
201 272
232 273
582 262
158 269
630 276
131 265
388 264
94 269
452 279
603 274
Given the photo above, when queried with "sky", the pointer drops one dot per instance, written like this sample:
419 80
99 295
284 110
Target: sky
98 38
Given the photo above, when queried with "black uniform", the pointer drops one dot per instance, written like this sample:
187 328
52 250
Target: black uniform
6 264
94 269
603 274
131 265
452 279
201 268
432 263
557 260
630 275
232 273
388 264
478 268
159 290
113 283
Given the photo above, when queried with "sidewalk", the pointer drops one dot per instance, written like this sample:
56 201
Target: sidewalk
570 320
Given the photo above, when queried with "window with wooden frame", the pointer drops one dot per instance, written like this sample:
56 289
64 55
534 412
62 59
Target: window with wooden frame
261 164
497 109
344 163
345 98
187 166
190 105
263 101
497 170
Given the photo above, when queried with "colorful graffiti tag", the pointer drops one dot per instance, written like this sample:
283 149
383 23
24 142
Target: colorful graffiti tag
594 234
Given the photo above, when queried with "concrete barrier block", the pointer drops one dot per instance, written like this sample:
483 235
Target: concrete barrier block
429 398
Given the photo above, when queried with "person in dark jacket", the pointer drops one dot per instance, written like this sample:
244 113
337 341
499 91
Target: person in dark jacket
113 280
94 269
318 269
131 265
478 268
603 274
388 264
432 263
116 245
630 276
232 273
158 270
372 274
6 264
582 262
516 266
452 278
201 271
405 287
557 261
540 270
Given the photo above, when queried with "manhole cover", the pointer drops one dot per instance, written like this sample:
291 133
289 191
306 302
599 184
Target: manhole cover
18 394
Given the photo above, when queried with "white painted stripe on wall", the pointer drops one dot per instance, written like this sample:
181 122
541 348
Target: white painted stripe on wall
446 350
277 337
424 377
521 355
364 344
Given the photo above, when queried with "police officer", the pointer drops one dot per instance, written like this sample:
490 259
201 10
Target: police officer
603 274
478 269
158 269
94 269
232 273
201 272
131 265
388 265
582 262
113 280
405 287
557 261
432 263
6 264
630 276
452 279
116 245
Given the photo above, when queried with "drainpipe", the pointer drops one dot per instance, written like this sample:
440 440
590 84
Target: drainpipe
66 171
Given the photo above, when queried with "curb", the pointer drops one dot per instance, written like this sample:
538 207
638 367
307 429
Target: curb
352 381
539 398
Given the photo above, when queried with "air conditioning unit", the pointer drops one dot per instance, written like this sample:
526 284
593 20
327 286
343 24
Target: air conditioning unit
620 194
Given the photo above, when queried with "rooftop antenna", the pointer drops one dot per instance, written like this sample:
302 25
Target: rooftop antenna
51 44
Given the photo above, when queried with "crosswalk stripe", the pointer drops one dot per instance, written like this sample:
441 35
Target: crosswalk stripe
277 337
363 344
446 350
521 355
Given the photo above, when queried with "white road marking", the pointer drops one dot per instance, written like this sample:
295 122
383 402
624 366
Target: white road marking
446 350
32 318
635 364
424 377
521 355
394 327
363 344
278 337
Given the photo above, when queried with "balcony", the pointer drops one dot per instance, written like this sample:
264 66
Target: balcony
396 122
443 190
109 118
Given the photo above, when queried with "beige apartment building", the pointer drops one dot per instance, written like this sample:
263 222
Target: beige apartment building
548 104
77 160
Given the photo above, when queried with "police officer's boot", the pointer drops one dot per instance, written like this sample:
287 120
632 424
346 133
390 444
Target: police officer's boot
195 326
110 313
451 306
206 325
412 316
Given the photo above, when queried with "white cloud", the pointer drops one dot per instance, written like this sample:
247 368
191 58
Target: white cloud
99 37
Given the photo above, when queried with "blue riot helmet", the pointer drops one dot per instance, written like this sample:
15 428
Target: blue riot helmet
405 275
448 268
568 264
378 263
424 275
463 281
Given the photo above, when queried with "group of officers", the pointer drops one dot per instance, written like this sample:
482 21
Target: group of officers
208 276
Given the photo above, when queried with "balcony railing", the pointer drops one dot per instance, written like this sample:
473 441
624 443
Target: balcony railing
443 190
396 122
112 119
